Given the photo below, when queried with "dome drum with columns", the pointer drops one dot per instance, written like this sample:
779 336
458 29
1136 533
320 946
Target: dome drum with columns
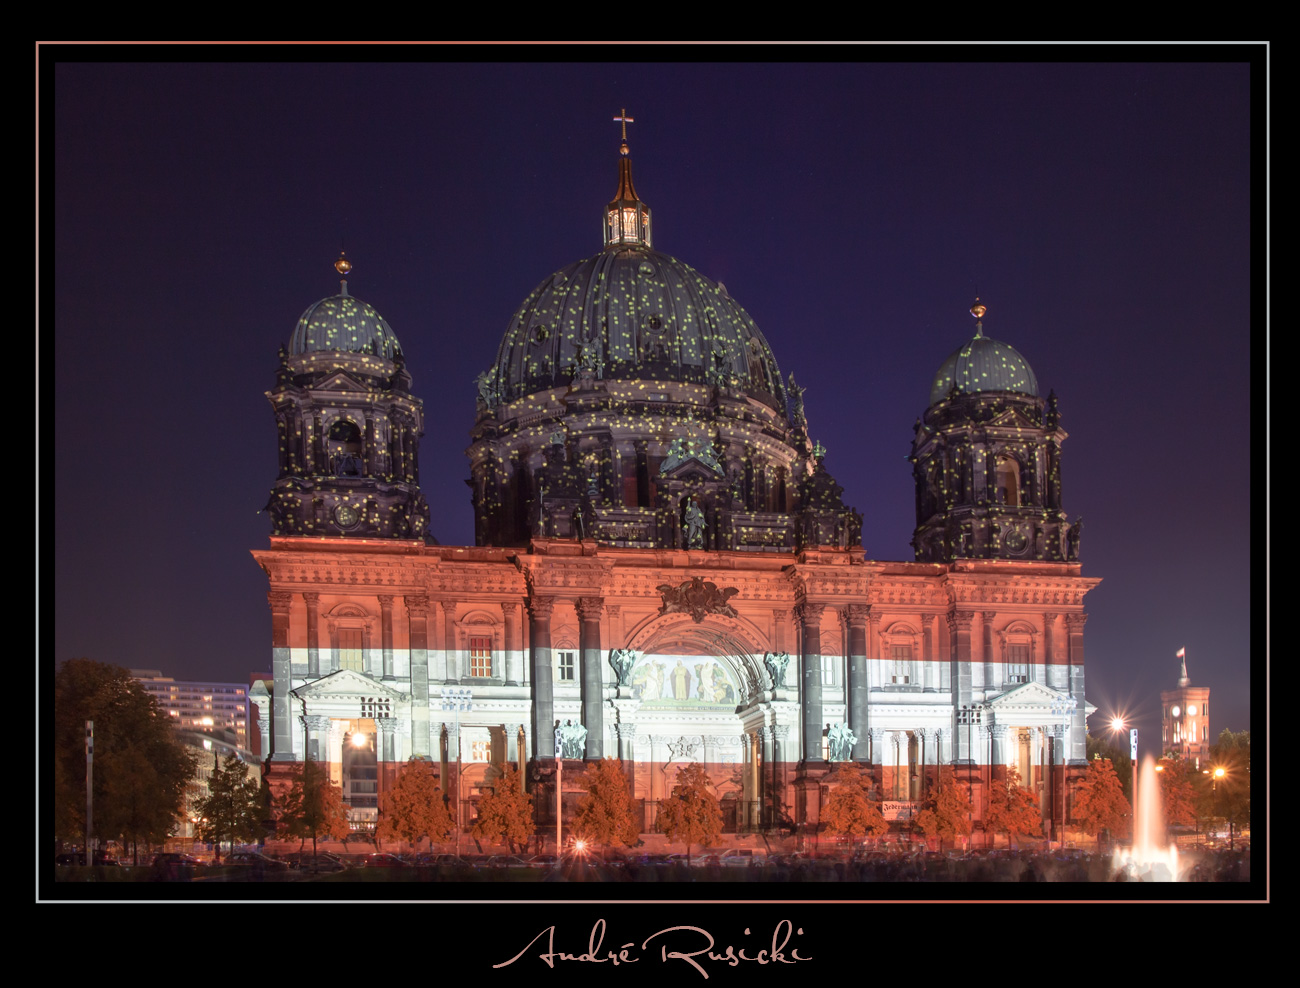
665 572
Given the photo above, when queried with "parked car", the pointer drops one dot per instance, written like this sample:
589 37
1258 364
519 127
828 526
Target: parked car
256 859
382 860
745 857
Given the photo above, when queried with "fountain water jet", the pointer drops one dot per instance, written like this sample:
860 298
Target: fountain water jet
1149 858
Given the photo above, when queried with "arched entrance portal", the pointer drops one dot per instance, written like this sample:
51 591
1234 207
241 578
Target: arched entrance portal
698 692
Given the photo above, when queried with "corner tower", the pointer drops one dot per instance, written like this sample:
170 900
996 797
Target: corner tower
986 459
349 427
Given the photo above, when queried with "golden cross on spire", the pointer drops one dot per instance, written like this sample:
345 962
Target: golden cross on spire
624 119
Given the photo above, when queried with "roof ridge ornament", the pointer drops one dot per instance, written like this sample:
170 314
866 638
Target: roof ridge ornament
627 218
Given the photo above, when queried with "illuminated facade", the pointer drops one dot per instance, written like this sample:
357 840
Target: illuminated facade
665 571
1185 719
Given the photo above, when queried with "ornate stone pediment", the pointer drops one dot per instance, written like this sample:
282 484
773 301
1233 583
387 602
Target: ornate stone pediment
696 597
347 684
1028 696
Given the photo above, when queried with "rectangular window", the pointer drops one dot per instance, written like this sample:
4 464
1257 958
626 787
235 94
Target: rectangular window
567 666
901 656
1018 663
480 751
350 649
480 656
828 670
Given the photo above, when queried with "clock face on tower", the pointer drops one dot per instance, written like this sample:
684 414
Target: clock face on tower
1015 540
345 515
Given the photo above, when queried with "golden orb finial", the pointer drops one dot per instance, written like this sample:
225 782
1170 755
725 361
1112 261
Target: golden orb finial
977 310
343 265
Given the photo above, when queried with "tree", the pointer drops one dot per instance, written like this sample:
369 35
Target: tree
849 811
141 769
947 811
313 806
233 808
506 812
1108 747
1013 809
605 815
691 813
414 807
1179 782
1230 793
1099 802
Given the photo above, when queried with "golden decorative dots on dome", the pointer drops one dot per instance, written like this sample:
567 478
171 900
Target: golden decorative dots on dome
343 265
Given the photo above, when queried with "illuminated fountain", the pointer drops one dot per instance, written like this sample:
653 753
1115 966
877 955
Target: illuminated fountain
1149 858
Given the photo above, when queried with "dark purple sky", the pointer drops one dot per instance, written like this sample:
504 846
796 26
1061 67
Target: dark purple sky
1101 211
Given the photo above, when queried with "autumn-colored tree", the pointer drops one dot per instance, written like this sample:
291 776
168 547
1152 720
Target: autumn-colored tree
1013 809
849 812
233 808
1099 802
141 769
691 814
506 812
1116 748
1179 782
414 807
605 815
947 810
313 806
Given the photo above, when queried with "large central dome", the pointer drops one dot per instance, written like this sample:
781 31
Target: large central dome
633 402
634 313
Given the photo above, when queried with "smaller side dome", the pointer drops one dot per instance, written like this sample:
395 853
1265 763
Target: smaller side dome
983 364
342 322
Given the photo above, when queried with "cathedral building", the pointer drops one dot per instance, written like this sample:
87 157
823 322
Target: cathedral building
665 570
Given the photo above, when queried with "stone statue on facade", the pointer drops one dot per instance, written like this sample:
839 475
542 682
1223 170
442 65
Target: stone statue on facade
571 740
1072 541
694 526
841 741
487 392
622 659
776 663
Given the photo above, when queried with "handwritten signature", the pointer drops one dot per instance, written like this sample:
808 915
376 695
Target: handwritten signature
679 936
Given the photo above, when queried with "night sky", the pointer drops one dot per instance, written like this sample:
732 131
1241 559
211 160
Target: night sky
191 212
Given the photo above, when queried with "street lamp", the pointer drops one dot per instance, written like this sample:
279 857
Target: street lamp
1117 725
456 699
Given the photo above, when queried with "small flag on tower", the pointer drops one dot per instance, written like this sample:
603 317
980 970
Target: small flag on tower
1181 653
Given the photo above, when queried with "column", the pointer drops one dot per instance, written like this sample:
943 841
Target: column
1053 677
1078 725
780 765
387 751
313 616
316 728
874 664
417 620
877 755
959 627
282 745
999 756
513 641
543 721
928 678
386 632
627 755
615 614
810 616
991 679
857 695
450 664
589 610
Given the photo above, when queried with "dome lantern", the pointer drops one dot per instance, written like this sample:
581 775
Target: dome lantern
627 218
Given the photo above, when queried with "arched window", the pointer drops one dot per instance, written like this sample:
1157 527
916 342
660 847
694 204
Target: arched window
1008 481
